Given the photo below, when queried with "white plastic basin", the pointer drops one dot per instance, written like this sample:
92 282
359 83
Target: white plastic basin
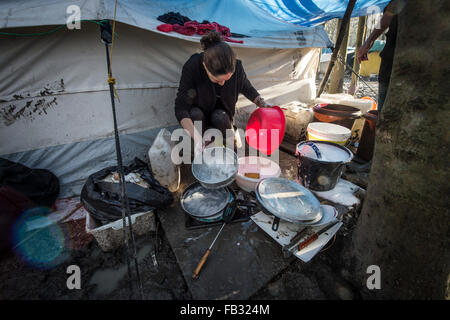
265 167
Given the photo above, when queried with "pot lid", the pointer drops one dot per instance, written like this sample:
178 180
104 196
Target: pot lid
201 202
288 200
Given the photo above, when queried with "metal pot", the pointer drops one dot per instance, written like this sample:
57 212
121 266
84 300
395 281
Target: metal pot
205 204
218 168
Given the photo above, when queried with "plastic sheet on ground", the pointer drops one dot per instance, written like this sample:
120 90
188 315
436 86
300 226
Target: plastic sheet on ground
286 231
343 193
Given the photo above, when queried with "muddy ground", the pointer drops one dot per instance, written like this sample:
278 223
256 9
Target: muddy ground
104 275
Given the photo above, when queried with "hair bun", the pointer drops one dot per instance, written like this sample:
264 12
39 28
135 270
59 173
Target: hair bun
211 39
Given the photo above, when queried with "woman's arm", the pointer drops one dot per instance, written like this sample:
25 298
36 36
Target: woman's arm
187 92
188 125
384 24
183 103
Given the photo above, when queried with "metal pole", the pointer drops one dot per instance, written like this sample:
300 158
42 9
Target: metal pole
123 195
360 35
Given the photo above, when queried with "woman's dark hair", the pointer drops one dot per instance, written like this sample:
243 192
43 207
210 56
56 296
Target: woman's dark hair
218 56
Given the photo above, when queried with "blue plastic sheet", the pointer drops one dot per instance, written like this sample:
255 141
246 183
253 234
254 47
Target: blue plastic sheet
309 13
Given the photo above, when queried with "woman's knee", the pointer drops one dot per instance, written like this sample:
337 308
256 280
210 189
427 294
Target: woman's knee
220 120
196 114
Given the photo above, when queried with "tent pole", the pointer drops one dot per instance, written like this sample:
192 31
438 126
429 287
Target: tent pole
337 74
360 35
106 34
340 38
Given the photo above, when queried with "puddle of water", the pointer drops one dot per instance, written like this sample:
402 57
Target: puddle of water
107 280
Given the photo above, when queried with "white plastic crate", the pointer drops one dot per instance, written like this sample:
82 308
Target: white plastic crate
110 236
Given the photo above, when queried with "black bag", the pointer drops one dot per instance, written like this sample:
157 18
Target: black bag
39 185
13 204
102 199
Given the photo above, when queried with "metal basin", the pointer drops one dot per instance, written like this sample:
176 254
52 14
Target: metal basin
218 168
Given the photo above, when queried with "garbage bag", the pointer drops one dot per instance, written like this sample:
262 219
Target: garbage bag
102 198
13 204
39 185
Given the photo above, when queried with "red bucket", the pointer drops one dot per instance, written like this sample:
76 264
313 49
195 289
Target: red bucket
265 129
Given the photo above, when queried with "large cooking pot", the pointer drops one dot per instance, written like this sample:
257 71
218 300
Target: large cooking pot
321 173
287 200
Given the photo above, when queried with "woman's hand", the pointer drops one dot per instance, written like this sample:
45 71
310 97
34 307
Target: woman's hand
198 148
259 101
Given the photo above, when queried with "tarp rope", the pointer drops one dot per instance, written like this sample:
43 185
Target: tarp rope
356 73
108 38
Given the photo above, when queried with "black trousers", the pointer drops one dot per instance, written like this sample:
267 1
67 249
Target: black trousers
218 119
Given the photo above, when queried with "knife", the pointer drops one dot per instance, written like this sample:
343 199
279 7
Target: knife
315 236
286 249
297 237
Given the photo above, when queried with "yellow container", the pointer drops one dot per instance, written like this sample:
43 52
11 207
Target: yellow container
371 66
313 137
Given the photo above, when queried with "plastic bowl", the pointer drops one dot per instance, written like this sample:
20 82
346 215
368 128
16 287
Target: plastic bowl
337 114
263 125
265 167
328 132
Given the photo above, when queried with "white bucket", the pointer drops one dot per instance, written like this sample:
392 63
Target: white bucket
324 131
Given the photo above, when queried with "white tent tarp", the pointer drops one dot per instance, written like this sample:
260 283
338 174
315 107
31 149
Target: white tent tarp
55 108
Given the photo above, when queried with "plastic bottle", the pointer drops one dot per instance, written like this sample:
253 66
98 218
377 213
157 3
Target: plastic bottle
162 166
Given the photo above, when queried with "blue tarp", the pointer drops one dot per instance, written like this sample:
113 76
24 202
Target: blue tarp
310 13
241 16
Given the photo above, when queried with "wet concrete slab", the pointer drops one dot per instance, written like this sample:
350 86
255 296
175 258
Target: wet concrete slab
243 260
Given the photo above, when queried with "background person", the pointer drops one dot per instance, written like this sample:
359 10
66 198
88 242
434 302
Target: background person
388 20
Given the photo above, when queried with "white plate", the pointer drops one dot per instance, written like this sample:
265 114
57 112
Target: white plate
329 213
